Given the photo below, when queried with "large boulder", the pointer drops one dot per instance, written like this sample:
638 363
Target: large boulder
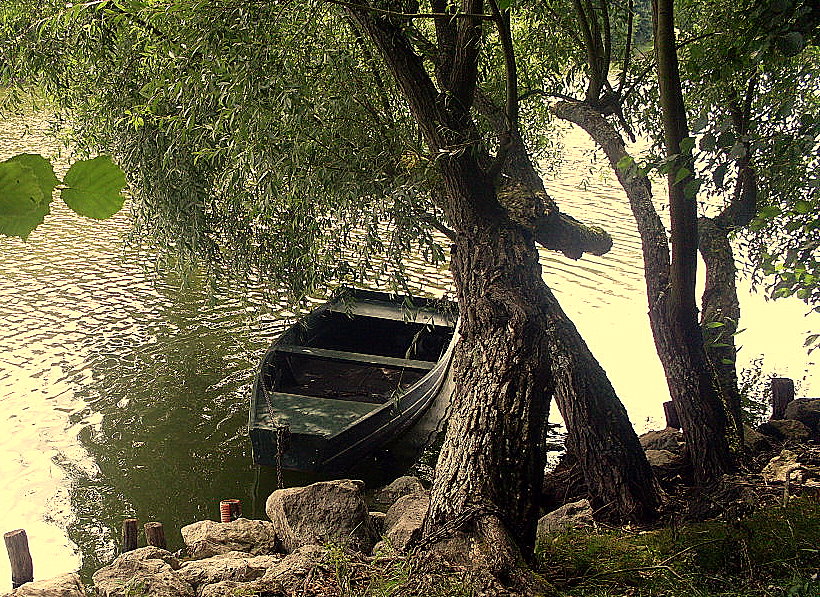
207 538
325 512
234 566
67 585
669 439
405 519
145 571
785 430
805 410
398 488
569 516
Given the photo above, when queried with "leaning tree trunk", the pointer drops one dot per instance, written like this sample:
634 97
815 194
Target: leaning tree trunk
702 420
514 336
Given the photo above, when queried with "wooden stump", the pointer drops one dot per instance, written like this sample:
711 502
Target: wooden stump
671 412
22 568
782 394
155 535
129 534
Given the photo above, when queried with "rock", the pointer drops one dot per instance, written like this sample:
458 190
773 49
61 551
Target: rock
207 538
67 585
785 429
325 512
377 520
144 571
398 488
669 439
291 572
781 466
405 519
754 440
663 459
230 588
234 566
569 516
805 410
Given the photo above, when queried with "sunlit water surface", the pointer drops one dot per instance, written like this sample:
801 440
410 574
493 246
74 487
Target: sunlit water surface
123 390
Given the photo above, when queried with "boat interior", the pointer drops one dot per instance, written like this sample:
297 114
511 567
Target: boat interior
358 357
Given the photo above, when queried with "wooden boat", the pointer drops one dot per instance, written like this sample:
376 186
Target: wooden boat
351 375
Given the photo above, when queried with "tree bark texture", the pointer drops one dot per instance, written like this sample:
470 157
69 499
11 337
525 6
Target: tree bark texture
720 305
517 345
687 373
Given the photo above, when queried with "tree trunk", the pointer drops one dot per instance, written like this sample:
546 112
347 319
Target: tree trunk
517 346
720 314
686 370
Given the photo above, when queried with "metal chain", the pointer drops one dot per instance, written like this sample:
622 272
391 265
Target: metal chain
281 430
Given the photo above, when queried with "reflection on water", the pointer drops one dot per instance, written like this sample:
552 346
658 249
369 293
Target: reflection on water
123 391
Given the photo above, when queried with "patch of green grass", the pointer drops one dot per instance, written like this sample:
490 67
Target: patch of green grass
773 552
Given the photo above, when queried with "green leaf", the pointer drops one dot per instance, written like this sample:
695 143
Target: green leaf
505 4
802 207
681 174
625 163
791 44
94 188
42 169
687 144
719 174
714 324
691 189
23 206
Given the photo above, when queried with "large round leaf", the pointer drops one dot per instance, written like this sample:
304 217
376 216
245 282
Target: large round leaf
23 204
94 188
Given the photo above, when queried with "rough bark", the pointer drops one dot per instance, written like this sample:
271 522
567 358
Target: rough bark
686 371
517 346
720 305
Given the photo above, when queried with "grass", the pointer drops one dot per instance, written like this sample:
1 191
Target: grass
775 551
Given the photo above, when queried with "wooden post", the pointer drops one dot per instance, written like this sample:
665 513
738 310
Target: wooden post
129 534
671 412
782 394
22 568
155 535
230 510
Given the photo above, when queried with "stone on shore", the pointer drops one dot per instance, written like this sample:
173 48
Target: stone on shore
325 512
782 467
234 566
398 488
207 538
785 430
66 585
145 571
404 521
805 410
669 439
569 516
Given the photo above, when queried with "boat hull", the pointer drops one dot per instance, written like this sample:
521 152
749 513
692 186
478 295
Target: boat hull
328 433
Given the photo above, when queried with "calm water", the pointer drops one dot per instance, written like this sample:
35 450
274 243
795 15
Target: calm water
123 390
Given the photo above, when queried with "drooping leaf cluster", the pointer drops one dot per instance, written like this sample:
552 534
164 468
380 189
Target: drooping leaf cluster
257 135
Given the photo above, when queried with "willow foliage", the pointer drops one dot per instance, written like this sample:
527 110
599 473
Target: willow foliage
256 135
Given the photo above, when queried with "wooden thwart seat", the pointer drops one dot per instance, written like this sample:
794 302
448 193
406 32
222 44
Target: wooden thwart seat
308 414
392 311
356 357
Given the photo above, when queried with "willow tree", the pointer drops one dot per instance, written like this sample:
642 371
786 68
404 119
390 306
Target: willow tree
732 87
307 143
